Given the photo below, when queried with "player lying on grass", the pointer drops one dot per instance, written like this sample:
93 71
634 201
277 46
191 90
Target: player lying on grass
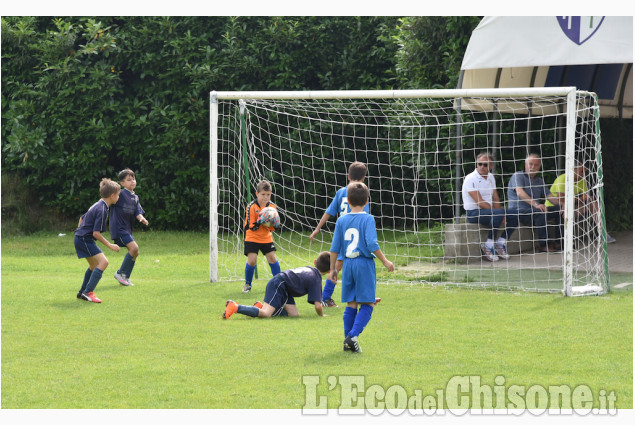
282 290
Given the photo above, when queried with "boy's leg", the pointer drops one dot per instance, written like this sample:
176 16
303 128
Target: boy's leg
250 268
361 320
350 312
130 258
327 292
87 275
274 264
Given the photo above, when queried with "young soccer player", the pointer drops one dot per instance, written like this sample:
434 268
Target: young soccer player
340 207
282 290
355 242
89 229
122 217
257 237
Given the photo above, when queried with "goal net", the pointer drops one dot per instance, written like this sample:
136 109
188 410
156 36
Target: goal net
418 147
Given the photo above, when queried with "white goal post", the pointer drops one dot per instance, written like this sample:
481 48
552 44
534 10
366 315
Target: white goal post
418 146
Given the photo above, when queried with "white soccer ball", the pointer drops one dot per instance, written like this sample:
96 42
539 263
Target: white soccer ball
269 217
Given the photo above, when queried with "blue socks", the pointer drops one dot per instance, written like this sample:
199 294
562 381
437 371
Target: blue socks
127 265
349 319
248 310
361 320
87 275
327 293
249 273
95 276
275 268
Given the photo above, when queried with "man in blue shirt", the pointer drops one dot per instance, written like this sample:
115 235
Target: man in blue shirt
526 194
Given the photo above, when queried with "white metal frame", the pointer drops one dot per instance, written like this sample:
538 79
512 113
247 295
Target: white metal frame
570 92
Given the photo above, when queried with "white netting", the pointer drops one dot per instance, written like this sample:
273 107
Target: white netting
417 150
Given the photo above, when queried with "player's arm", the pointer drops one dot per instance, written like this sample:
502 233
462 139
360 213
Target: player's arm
97 235
390 266
323 220
142 219
79 223
318 308
333 273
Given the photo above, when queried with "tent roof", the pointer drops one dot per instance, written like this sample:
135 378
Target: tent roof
593 53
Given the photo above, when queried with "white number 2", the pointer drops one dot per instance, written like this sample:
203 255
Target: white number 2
351 235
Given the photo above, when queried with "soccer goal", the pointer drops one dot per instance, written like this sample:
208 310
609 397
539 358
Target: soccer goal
418 145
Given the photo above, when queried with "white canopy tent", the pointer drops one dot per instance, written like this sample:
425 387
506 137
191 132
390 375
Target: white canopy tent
592 53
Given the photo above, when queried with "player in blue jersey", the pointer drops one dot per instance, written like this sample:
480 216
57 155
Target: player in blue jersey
338 208
282 290
90 228
122 217
355 243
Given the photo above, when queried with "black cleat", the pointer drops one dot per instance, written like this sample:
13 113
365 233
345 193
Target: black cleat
350 344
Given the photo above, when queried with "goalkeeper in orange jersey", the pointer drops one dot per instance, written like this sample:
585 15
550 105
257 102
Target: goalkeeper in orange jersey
258 237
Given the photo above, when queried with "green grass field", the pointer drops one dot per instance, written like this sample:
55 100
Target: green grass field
162 343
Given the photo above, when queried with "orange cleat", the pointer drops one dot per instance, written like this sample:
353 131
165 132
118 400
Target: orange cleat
230 308
258 304
91 297
377 300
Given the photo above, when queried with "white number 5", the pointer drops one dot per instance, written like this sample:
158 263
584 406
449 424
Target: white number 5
351 235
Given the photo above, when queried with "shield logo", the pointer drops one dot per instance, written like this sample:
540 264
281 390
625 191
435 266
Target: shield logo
580 28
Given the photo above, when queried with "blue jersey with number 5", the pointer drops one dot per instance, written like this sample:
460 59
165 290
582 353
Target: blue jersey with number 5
355 236
339 206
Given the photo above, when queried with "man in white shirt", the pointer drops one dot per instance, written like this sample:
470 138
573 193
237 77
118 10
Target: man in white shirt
482 206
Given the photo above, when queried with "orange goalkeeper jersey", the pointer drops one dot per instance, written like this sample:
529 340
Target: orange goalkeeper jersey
263 233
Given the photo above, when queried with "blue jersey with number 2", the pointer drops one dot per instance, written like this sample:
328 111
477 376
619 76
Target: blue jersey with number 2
339 206
355 235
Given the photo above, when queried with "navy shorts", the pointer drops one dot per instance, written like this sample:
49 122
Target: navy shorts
123 240
265 248
276 295
86 247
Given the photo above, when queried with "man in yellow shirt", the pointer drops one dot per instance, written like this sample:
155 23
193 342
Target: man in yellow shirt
584 204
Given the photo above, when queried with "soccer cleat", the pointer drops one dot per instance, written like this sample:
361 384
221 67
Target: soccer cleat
123 279
377 300
258 304
609 238
351 344
489 253
230 308
79 295
246 288
91 297
501 251
329 303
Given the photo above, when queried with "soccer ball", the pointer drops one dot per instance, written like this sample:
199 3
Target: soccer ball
269 217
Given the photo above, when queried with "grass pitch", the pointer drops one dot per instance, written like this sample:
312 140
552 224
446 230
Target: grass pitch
162 344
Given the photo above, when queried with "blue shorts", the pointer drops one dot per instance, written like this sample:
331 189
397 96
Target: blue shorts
86 247
276 294
359 280
123 240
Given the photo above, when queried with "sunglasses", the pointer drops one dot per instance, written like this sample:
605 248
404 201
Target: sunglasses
482 164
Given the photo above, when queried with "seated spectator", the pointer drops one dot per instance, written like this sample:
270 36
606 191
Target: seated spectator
584 203
482 205
526 194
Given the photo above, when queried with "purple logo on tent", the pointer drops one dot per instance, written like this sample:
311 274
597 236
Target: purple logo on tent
580 28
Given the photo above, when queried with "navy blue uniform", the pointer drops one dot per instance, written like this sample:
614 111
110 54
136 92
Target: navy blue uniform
123 215
94 220
286 285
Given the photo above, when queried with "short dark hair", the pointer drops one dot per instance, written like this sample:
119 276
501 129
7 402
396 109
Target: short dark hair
323 262
263 185
108 187
357 171
125 173
357 194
